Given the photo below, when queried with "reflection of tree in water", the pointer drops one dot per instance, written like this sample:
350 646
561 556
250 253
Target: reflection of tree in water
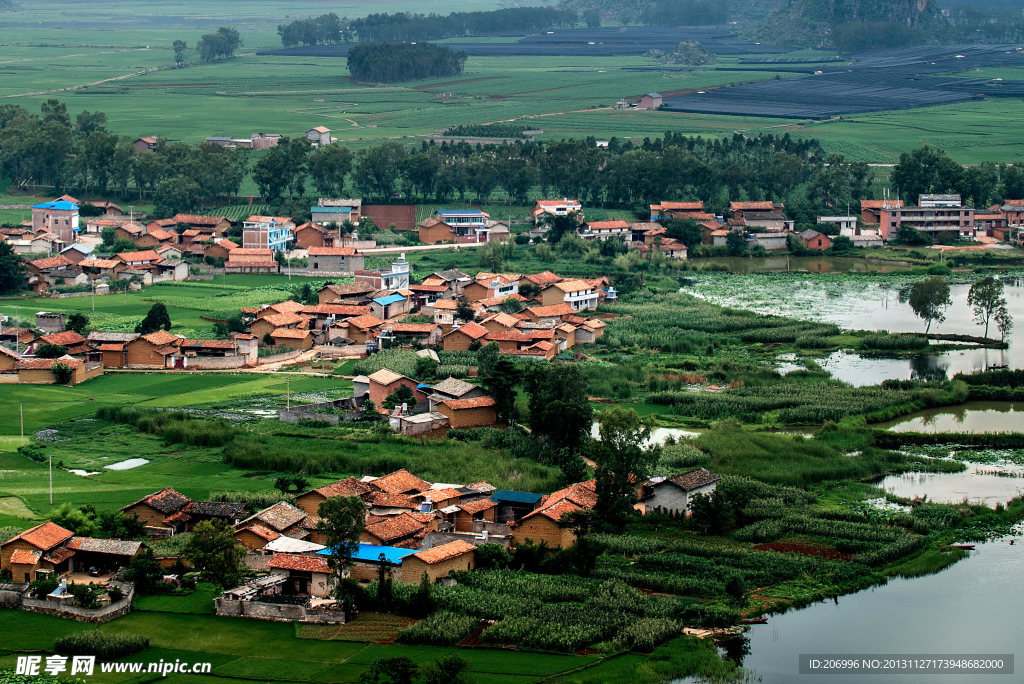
928 369
735 648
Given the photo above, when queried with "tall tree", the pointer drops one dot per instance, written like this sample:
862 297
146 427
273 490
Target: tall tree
328 167
215 553
12 269
624 459
929 299
342 519
501 384
986 298
156 318
560 411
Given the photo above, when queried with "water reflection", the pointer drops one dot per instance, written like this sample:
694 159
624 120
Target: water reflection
871 370
974 416
978 485
928 368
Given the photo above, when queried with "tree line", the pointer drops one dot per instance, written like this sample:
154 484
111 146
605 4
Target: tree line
81 155
396 62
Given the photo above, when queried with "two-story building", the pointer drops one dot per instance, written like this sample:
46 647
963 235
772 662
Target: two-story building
578 294
454 225
935 215
59 217
333 261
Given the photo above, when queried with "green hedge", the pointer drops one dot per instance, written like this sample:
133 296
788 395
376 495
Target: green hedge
105 647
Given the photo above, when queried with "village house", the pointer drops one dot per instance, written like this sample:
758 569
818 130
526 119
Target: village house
334 261
146 144
463 413
603 230
77 251
19 337
155 237
155 509
545 523
347 209
812 239
219 249
240 350
438 562
422 334
107 348
48 269
267 232
404 530
514 505
453 280
310 500
500 322
454 225
769 241
473 511
306 574
460 339
385 382
267 324
172 252
360 329
578 294
394 278
58 217
315 235
871 210
129 230
293 337
670 247
426 295
69 339
561 207
934 215
453 388
356 293
320 135
492 285
673 210
49 550
323 316
251 260
650 101
548 314
674 494
151 350
284 519
398 482
34 371
843 223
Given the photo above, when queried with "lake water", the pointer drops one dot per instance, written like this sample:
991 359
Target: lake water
972 607
792 264
976 484
658 435
863 304
973 416
871 370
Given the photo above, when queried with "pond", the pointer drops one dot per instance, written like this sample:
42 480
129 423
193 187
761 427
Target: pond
973 416
658 435
979 484
972 607
871 370
859 303
790 264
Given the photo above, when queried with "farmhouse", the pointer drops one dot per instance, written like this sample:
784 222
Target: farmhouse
673 494
463 413
404 530
578 294
605 229
155 509
871 210
398 482
394 278
310 500
341 210
453 388
454 225
424 334
320 135
284 519
294 338
438 562
385 382
361 329
812 239
671 210
473 511
346 293
544 523
650 101
32 371
251 260
34 550
151 350
306 574
459 339
146 144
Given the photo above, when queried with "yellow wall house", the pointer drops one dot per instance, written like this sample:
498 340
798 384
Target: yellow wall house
439 561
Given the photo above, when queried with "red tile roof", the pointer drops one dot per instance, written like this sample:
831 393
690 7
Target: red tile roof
552 310
478 506
146 255
281 320
572 498
45 536
400 482
881 204
337 310
545 278
193 219
472 330
444 552
291 561
46 364
414 327
251 251
332 251
679 206
63 339
347 487
166 501
160 338
385 500
395 528
365 322
260 531
608 225
25 557
462 404
50 262
751 206
438 495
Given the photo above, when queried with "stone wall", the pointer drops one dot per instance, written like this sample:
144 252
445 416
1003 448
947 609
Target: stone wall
277 612
106 613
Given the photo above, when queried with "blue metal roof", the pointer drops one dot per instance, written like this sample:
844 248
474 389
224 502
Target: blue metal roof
459 212
516 497
65 206
390 299
330 210
370 552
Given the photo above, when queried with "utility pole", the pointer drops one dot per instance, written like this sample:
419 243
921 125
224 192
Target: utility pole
21 410
51 479
288 396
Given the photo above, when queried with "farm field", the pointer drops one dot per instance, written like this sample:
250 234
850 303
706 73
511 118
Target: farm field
563 96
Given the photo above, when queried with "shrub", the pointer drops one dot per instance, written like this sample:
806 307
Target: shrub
62 373
115 594
895 342
105 647
440 629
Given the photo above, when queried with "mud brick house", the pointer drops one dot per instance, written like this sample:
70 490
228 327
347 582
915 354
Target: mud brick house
155 509
427 334
481 509
255 537
293 337
32 371
346 293
151 350
385 382
314 235
671 210
310 500
324 315
438 562
39 548
335 261
812 239
543 524
361 329
306 574
578 294
284 519
69 339
453 388
406 530
459 339
200 511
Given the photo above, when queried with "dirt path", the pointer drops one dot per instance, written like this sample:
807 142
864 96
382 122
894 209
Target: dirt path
86 85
